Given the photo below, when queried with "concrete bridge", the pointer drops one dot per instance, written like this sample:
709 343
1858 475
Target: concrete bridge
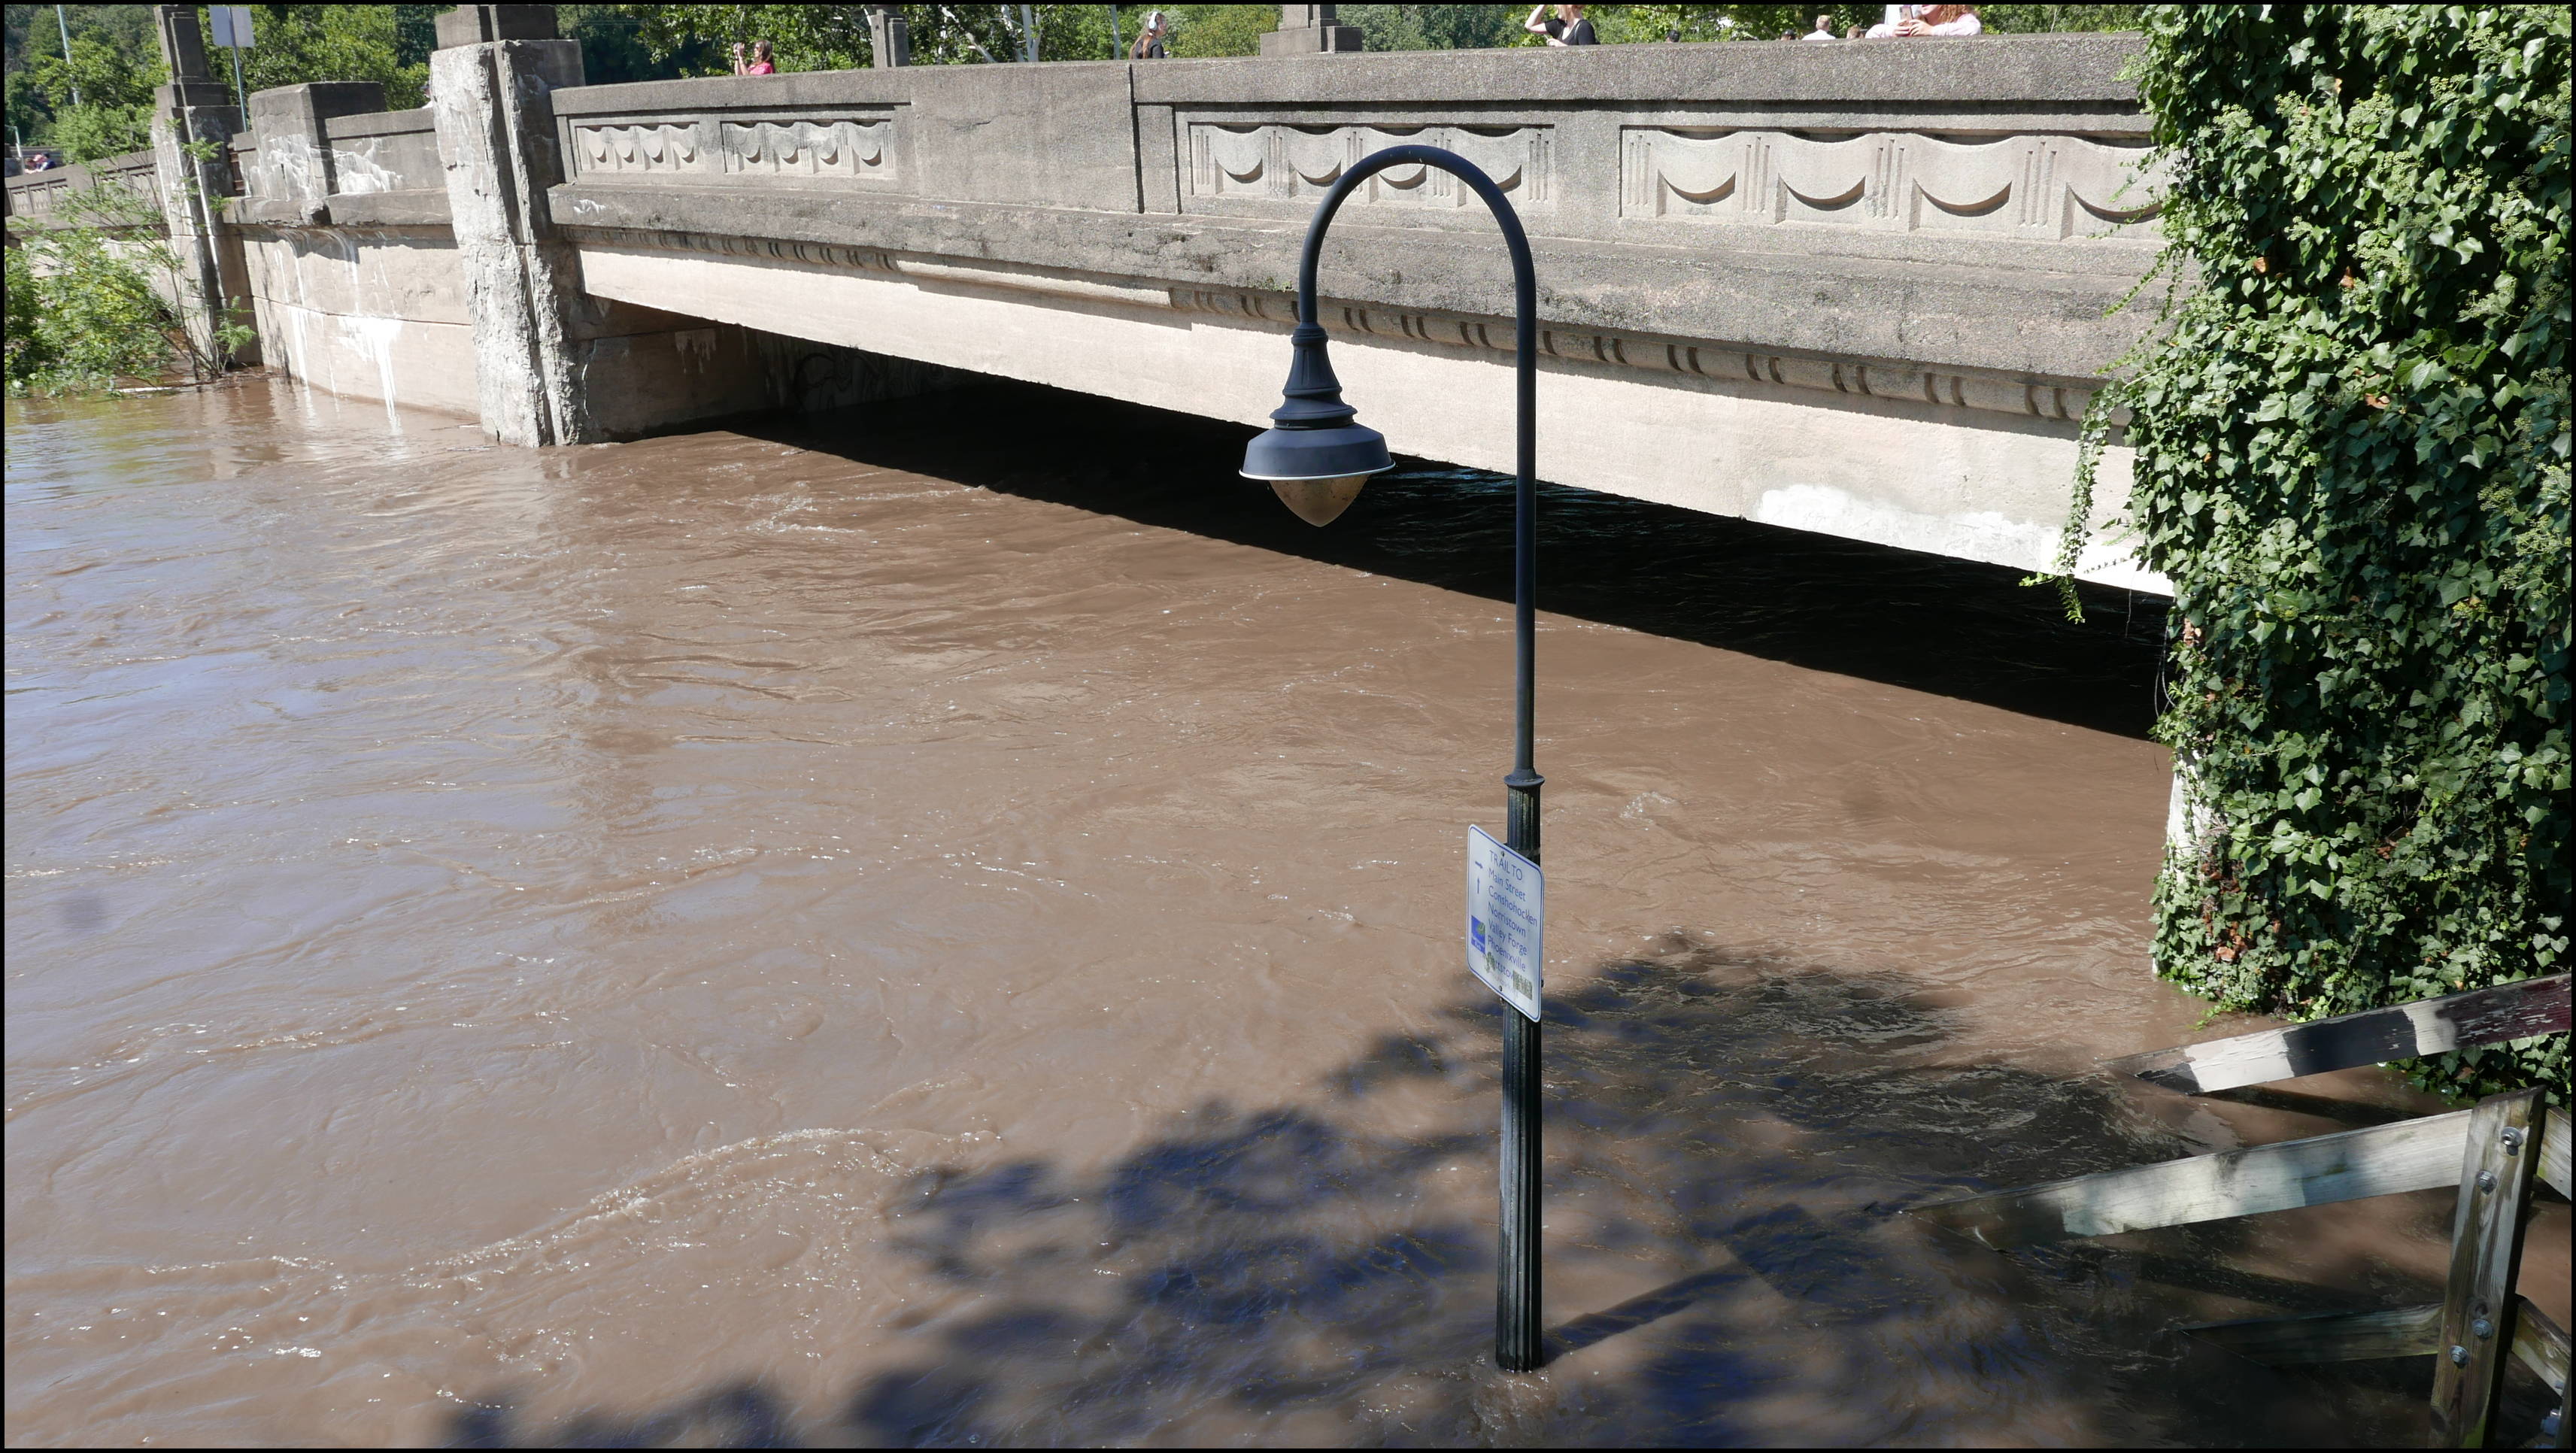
1858 289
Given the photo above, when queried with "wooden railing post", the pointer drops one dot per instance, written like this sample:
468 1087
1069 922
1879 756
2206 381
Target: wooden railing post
2486 1256
2501 1145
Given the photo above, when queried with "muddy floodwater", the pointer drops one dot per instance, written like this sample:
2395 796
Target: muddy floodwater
941 925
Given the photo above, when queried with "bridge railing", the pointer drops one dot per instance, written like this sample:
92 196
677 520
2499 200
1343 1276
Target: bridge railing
52 197
1940 224
2004 140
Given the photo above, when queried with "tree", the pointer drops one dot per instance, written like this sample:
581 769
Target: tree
699 39
35 36
116 61
614 50
115 89
2025 19
1220 30
387 44
1435 27
89 295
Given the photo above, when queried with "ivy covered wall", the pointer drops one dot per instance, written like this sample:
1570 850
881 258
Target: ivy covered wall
2352 462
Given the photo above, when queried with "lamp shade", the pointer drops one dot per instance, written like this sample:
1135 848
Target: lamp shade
1316 455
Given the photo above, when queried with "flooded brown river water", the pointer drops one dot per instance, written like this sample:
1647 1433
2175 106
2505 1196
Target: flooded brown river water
940 926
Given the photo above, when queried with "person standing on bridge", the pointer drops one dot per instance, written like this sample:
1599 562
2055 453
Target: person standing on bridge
1567 27
759 65
1149 44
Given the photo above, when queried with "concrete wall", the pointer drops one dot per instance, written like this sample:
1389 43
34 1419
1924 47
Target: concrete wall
371 314
353 272
359 291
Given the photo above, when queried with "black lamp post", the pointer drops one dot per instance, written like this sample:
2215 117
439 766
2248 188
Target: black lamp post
1316 456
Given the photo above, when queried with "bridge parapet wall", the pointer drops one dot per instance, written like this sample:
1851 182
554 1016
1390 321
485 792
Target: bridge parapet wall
351 262
37 199
329 154
1955 219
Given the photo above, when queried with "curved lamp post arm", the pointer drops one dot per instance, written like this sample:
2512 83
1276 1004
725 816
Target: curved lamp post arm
1524 780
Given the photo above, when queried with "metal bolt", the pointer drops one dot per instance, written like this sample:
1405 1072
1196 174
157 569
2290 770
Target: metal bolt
2482 1328
2459 1357
2486 1180
2512 1140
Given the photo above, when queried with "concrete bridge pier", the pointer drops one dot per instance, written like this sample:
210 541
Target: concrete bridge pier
495 127
554 364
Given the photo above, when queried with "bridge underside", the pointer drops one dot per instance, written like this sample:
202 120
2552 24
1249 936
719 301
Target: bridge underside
1844 453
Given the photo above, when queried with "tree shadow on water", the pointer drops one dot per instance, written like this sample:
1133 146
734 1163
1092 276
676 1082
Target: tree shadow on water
1729 1139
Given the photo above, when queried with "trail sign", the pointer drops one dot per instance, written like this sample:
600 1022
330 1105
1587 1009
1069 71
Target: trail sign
232 25
1506 921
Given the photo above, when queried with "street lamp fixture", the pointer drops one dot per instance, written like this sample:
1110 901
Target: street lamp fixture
1316 456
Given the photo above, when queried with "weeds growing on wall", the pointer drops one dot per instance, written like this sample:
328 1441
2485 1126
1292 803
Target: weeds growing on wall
2352 461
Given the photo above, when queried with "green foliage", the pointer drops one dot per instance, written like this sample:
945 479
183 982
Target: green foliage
105 74
83 312
699 39
1624 24
35 38
804 37
293 44
1220 30
614 51
115 88
1435 27
27 351
638 42
2352 460
87 133
116 61
2028 19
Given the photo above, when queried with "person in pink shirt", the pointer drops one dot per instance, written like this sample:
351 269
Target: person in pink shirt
758 65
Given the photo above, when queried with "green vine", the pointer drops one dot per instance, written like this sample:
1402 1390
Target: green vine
2352 462
2100 418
